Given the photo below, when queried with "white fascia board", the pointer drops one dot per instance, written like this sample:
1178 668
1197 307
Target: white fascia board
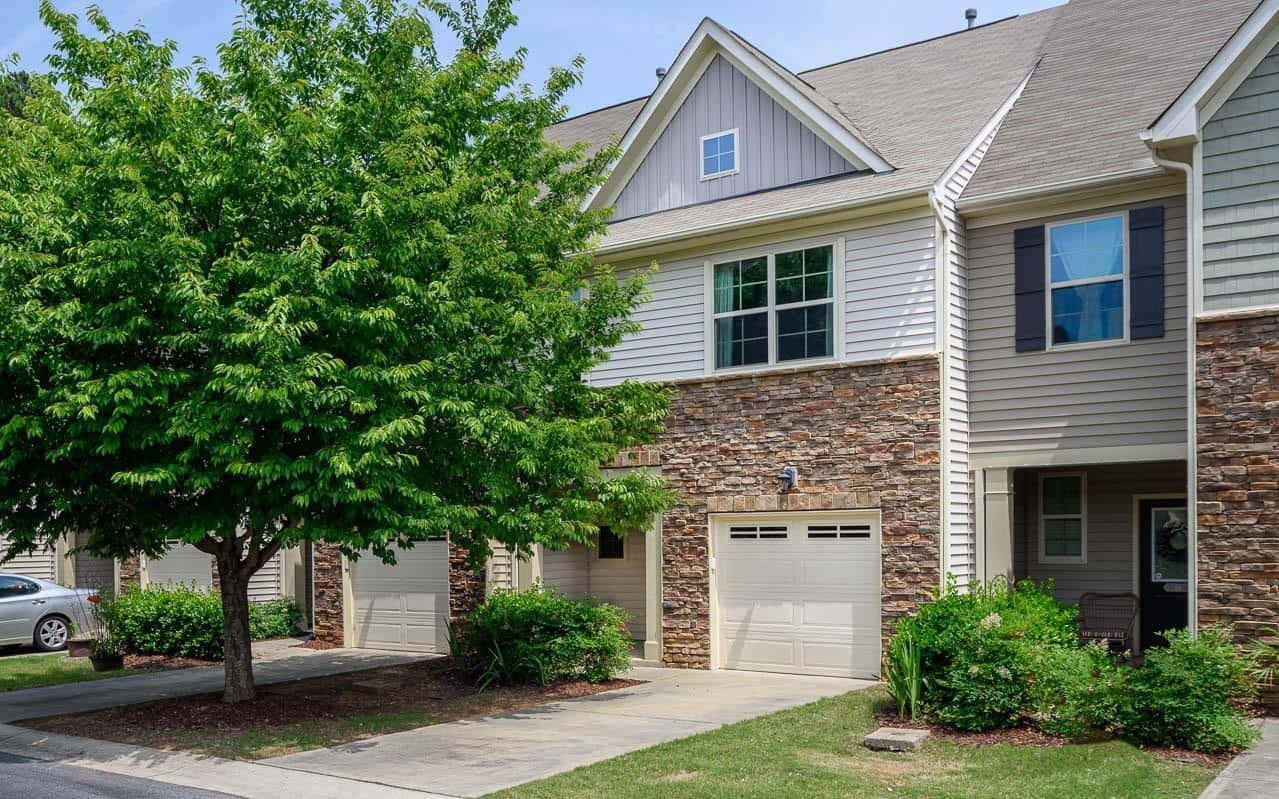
1180 122
707 41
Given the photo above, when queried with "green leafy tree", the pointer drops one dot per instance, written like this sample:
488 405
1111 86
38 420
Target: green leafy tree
14 87
331 290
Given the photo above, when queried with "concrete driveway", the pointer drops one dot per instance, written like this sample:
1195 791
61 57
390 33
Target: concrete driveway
478 756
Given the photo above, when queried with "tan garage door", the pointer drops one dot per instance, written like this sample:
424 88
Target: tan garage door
798 593
405 606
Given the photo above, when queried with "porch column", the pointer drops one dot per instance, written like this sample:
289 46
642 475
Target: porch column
653 591
995 530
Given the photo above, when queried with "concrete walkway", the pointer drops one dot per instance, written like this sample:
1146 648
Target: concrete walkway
474 757
1254 774
227 777
274 661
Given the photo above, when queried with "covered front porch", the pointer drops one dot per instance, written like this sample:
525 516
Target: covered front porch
1105 529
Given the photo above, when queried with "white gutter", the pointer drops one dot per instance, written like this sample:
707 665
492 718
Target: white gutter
942 332
1193 302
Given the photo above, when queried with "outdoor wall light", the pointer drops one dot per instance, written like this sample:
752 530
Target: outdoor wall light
787 478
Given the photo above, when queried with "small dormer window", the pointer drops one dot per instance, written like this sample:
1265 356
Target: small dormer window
719 154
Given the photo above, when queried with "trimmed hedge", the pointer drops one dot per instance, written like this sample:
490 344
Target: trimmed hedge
539 636
185 621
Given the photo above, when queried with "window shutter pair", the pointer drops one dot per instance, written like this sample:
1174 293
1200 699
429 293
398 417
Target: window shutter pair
1145 280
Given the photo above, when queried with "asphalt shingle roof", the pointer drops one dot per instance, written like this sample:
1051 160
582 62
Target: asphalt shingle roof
918 105
1108 68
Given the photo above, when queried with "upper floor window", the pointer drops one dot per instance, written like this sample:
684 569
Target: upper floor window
719 154
775 308
1087 277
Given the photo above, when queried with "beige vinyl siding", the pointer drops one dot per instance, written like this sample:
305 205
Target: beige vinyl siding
961 541
1241 194
1123 394
670 345
41 564
184 564
1111 537
266 582
890 300
579 572
890 304
773 147
501 567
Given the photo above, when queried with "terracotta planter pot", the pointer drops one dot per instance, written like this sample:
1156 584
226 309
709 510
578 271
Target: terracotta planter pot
79 647
107 662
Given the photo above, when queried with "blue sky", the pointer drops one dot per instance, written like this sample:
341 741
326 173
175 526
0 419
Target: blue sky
623 40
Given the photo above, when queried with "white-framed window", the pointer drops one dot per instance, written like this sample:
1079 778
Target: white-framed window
774 307
1063 517
1086 267
719 154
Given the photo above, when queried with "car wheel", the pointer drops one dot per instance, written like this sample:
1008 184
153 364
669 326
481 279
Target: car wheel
52 634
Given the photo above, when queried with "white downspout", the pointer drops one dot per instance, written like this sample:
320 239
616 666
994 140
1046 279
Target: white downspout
1192 310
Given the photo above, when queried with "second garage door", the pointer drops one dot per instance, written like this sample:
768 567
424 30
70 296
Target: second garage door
405 606
798 593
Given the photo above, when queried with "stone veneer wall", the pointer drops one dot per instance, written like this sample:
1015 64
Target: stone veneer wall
1237 431
866 436
466 586
326 564
130 572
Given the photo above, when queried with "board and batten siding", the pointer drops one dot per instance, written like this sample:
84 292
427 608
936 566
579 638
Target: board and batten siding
773 147
890 304
1241 194
1111 537
1121 394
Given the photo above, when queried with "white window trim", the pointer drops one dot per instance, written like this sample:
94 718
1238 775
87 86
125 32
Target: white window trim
1050 285
737 155
1083 519
770 252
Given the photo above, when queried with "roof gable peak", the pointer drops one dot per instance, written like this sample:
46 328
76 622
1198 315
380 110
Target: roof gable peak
710 39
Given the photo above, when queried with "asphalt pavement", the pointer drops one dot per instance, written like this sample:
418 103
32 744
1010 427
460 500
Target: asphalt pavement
23 778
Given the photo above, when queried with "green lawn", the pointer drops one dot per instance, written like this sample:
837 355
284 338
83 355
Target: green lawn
815 750
32 671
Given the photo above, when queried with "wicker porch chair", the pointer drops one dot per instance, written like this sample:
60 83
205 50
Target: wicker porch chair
1108 618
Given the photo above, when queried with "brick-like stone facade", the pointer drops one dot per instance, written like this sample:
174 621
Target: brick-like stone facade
130 572
326 560
866 436
466 585
1237 425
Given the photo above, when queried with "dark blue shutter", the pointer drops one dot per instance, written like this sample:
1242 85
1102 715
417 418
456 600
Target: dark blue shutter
1028 286
1146 272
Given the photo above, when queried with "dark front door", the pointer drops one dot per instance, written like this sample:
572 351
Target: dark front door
1165 561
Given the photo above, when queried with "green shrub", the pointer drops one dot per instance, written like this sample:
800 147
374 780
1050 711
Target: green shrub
278 618
538 636
1072 689
180 621
974 649
1187 693
185 621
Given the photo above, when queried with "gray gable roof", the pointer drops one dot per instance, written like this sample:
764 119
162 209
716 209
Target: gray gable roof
1108 67
919 105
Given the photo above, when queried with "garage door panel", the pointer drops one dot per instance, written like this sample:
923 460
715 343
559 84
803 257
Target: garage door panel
403 606
757 612
804 600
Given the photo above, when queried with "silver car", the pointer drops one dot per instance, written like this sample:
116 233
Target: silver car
41 613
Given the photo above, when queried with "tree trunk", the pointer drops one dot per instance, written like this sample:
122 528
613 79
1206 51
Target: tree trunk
237 648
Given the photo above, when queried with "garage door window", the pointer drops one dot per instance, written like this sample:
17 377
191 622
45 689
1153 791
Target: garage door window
837 531
757 532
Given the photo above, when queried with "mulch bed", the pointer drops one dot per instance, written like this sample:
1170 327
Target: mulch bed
436 687
164 662
1026 736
